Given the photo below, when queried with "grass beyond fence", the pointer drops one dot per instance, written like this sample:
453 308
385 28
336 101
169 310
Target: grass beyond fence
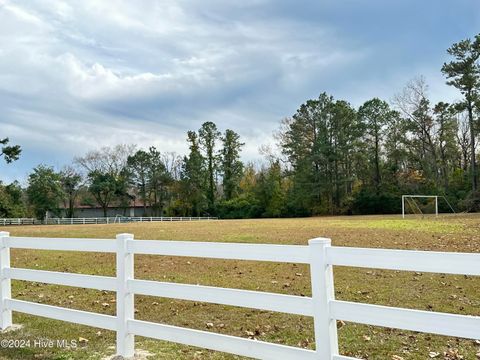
424 291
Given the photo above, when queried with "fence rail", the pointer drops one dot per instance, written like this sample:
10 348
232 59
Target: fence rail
20 221
100 220
322 306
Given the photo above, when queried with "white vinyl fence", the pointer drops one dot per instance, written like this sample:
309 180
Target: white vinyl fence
20 221
322 306
122 219
100 220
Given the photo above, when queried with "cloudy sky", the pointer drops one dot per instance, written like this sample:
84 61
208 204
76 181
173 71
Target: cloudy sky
76 75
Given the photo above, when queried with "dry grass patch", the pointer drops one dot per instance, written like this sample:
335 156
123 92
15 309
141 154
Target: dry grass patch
456 294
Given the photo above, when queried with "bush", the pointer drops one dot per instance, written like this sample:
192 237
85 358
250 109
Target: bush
368 201
241 207
471 202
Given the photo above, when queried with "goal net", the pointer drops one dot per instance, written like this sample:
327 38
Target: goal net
419 205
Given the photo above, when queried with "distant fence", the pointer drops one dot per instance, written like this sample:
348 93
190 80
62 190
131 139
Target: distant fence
322 306
20 221
100 220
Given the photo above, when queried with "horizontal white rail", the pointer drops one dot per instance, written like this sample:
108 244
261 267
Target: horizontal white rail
58 313
406 319
66 279
244 298
66 244
99 220
421 196
19 221
407 260
232 251
219 342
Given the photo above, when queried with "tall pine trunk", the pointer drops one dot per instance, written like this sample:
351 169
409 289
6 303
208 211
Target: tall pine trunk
472 147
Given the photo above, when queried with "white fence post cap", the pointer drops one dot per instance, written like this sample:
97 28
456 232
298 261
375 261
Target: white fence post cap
320 240
124 235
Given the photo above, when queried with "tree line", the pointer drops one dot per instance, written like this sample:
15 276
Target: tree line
331 158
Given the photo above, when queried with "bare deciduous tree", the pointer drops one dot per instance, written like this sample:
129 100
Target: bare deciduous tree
108 160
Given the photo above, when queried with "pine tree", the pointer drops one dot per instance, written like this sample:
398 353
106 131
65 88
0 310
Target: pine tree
375 116
464 74
232 167
193 177
207 138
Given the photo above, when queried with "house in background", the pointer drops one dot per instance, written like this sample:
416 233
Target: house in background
133 209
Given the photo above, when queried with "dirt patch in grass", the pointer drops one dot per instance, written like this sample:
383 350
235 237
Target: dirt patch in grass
437 292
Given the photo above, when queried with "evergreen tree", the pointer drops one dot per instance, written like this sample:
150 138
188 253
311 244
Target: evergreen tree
448 150
12 204
71 181
375 116
9 152
193 177
396 151
159 179
231 165
319 142
305 142
104 187
464 74
44 190
270 191
207 137
138 166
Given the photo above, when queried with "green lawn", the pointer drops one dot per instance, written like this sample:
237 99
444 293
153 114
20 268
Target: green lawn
437 292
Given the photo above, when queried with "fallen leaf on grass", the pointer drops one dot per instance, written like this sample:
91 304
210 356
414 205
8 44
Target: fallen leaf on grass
303 343
452 354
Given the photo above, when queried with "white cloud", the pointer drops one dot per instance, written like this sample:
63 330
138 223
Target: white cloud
78 75
23 14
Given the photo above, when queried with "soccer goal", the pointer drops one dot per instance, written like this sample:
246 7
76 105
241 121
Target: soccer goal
420 204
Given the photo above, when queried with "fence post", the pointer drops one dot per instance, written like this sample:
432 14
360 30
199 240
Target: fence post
5 283
326 341
125 301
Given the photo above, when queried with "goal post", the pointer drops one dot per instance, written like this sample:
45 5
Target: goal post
410 200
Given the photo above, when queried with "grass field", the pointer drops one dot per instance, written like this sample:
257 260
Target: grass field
455 294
